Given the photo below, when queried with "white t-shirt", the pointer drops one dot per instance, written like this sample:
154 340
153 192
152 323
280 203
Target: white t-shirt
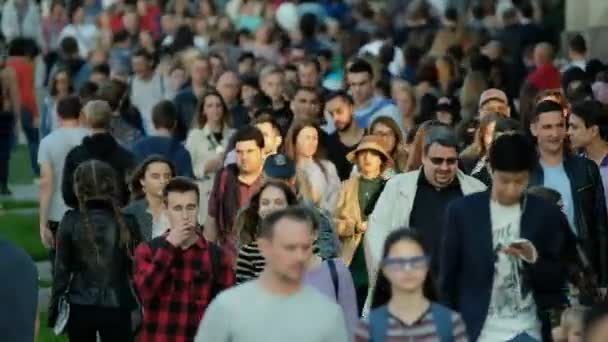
512 309
53 149
249 313
145 95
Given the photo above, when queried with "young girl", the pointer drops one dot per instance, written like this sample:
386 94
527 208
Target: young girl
147 185
272 196
402 310
93 267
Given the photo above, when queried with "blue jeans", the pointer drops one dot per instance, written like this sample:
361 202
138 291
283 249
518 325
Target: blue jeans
31 134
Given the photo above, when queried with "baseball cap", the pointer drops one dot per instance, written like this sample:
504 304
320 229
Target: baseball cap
279 166
493 94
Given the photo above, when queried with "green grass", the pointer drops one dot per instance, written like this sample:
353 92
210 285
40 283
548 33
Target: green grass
46 334
9 203
24 231
45 284
21 169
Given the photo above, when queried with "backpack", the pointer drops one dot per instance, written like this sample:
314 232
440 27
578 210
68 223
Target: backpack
442 318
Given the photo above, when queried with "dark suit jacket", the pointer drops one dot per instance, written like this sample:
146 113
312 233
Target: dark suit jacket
466 271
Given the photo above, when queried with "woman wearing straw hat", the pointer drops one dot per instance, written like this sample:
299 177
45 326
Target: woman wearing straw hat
357 199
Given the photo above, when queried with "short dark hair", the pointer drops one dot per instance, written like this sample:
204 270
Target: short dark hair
546 106
69 46
513 152
164 115
297 213
339 94
308 89
246 55
504 125
578 44
69 107
88 90
247 133
442 135
263 116
180 185
311 61
360 65
121 36
141 52
592 113
592 317
103 68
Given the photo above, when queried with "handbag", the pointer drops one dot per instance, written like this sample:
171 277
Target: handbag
63 310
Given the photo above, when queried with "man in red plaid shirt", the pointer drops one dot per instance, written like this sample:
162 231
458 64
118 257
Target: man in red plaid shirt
179 273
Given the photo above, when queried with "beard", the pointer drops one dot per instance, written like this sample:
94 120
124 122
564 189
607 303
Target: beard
345 127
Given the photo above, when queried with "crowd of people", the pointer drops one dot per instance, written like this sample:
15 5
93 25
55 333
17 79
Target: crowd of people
267 170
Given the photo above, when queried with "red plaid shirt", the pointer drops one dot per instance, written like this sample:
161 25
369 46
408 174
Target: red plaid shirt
176 286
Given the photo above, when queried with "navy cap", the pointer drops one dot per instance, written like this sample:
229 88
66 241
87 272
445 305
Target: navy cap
279 166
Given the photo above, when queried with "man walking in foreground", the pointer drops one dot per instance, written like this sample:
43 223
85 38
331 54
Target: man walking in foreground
278 307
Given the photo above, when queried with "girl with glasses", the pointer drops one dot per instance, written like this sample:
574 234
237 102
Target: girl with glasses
402 309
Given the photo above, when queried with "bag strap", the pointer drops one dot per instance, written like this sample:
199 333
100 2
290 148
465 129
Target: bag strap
334 277
378 323
442 317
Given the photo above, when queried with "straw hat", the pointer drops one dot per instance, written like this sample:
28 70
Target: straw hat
370 143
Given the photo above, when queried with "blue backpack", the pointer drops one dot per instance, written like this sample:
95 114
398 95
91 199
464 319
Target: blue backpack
442 317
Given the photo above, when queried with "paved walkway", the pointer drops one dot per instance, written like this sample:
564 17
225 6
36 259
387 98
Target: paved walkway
27 192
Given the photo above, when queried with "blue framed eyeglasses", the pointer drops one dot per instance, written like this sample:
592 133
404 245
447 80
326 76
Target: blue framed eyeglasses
402 263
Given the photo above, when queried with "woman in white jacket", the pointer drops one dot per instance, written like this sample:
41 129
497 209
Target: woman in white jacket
302 146
207 142
85 33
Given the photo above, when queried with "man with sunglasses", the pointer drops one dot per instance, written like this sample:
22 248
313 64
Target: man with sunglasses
418 199
500 261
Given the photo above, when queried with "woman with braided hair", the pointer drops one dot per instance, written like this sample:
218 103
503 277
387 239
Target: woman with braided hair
93 267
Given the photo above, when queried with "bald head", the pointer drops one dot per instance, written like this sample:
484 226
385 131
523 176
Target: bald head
228 85
543 54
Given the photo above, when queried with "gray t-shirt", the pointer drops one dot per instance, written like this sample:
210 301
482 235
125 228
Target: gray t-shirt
249 313
54 148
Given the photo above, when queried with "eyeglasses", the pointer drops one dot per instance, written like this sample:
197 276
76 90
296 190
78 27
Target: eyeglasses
439 161
402 263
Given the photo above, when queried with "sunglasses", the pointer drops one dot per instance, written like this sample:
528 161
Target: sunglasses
439 161
402 263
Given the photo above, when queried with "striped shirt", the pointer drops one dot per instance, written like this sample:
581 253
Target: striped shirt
422 330
249 263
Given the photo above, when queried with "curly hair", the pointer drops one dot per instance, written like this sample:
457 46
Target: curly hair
95 180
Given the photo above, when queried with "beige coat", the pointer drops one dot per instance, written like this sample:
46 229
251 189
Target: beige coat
348 219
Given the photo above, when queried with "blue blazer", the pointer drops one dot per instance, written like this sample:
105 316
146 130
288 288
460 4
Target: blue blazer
466 273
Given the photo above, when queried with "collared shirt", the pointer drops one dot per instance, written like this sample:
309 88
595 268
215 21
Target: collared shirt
176 286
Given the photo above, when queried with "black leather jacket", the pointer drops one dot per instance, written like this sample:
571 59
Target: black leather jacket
589 209
101 272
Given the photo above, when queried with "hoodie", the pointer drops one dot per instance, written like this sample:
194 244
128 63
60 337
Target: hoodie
103 147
